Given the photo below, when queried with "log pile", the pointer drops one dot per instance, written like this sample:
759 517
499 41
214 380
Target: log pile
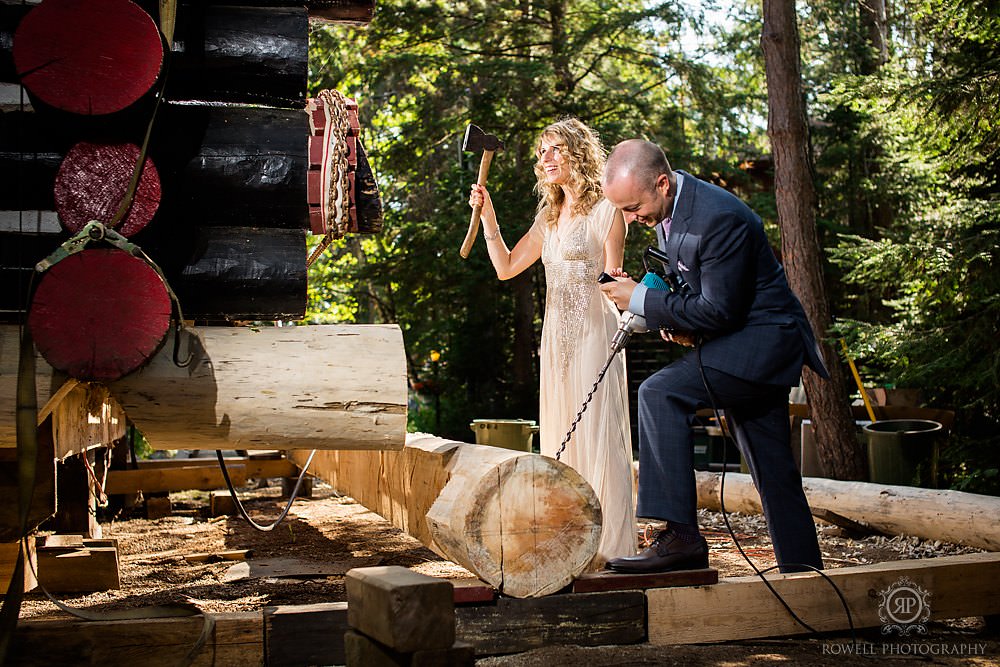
223 206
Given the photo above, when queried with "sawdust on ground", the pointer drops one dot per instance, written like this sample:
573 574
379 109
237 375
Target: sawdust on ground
325 535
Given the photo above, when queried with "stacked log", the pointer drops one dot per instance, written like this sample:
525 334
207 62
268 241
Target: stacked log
223 206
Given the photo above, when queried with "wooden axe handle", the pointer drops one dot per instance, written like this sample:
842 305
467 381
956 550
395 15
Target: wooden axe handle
470 236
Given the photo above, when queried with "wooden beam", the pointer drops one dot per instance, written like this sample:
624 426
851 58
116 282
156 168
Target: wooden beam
305 634
173 479
204 476
743 608
933 514
521 522
10 553
308 387
236 639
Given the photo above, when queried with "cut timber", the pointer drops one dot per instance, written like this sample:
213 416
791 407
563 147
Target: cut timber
99 314
94 57
10 553
286 628
521 522
307 387
933 514
743 607
93 566
202 476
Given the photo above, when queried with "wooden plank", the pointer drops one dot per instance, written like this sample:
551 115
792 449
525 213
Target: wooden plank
933 514
308 634
404 610
303 387
43 497
583 619
614 581
236 640
256 468
173 479
743 608
363 650
234 554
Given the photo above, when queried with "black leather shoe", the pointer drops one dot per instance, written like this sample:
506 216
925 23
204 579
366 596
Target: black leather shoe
667 553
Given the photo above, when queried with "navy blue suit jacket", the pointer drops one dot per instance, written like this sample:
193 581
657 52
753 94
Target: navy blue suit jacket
739 299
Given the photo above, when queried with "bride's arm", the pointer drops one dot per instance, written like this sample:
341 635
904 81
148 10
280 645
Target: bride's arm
508 263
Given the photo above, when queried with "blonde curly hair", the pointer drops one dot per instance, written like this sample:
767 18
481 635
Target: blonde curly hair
584 156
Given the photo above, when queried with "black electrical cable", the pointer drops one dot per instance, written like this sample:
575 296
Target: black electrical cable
239 505
725 518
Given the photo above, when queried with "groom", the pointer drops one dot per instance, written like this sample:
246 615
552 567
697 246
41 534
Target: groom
753 340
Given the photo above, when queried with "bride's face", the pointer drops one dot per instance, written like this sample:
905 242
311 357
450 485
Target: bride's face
553 163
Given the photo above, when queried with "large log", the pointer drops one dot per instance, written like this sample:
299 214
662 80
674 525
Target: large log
99 314
933 514
322 387
223 166
91 58
231 54
524 523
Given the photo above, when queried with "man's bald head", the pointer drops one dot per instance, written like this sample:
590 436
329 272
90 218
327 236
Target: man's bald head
638 160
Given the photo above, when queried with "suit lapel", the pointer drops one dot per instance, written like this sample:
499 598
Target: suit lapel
681 219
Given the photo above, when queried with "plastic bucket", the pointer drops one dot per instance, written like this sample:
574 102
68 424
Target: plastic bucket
901 451
514 434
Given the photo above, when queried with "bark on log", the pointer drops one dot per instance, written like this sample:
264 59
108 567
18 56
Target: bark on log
91 58
524 523
351 12
322 387
932 514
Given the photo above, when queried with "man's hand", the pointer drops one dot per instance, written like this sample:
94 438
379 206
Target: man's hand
620 291
685 339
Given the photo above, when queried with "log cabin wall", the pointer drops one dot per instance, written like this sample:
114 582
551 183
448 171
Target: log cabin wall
229 147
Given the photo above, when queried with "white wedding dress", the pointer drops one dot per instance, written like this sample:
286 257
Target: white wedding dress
576 337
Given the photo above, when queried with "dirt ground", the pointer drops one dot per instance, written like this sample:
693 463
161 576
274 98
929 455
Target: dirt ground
326 535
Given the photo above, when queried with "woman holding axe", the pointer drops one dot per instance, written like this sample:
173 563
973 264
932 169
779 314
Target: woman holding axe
577 234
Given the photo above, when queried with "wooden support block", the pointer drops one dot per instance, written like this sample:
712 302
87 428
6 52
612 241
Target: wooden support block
613 581
308 634
362 651
472 591
236 639
583 619
10 552
400 608
93 567
158 507
221 503
305 489
743 608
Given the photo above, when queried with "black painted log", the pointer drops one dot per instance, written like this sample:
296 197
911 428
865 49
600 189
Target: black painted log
351 12
244 273
240 55
221 53
218 165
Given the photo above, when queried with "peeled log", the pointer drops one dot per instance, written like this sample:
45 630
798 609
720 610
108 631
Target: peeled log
932 514
524 523
322 387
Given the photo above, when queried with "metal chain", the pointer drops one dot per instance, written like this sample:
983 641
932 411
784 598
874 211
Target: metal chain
586 402
336 200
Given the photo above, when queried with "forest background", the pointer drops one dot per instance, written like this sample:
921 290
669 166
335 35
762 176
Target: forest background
902 107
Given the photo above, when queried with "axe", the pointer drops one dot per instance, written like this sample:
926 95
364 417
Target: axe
476 140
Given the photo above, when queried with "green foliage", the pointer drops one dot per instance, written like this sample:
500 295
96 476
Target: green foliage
423 70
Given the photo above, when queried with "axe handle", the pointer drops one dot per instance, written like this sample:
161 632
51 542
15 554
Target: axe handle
470 236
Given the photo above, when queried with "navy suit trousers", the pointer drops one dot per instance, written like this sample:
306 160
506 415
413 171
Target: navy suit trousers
757 415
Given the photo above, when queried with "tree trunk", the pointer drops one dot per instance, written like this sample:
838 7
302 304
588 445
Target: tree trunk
840 454
524 523
931 514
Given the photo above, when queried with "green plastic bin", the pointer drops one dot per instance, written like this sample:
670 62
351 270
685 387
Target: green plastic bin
900 451
514 434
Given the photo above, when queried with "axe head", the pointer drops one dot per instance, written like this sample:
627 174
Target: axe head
477 141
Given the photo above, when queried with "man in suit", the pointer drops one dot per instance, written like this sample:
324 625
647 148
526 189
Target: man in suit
751 340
